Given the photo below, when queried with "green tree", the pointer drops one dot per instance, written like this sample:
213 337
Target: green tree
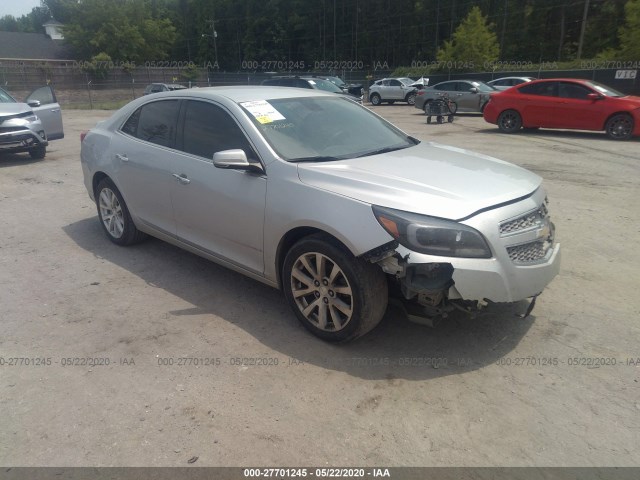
473 43
122 29
630 32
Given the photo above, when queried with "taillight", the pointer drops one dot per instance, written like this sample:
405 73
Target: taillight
82 135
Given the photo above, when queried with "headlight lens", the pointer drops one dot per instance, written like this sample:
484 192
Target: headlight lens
432 236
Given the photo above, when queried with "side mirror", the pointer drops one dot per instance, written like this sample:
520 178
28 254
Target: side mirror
594 96
34 103
235 160
473 89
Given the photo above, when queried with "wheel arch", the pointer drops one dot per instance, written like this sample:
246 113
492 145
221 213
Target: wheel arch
610 116
294 235
97 178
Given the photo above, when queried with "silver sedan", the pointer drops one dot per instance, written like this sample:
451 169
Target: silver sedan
320 197
467 95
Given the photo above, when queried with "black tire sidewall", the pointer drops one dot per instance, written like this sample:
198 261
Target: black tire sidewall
375 99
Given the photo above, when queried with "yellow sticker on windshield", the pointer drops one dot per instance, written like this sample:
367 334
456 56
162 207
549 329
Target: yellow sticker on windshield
263 111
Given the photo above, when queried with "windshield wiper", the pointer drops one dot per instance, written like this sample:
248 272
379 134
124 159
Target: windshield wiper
382 150
315 159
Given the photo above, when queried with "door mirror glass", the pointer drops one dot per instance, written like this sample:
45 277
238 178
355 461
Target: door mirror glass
594 96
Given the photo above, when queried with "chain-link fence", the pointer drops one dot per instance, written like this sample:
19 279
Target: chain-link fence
77 86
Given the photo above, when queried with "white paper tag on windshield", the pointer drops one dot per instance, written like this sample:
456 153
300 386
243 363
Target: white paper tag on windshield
263 111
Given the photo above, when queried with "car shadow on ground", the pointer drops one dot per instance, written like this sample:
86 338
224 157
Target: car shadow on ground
397 348
17 159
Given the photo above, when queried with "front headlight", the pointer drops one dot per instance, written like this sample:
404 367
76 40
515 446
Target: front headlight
432 236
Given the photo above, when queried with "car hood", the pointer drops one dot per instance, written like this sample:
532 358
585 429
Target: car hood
11 109
429 179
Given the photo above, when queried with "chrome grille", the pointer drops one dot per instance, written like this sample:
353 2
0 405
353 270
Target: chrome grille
525 222
528 252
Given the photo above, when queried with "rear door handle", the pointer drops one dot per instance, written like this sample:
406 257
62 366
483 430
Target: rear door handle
182 178
122 158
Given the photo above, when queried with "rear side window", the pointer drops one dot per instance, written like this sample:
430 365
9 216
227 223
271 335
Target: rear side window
154 122
546 89
209 129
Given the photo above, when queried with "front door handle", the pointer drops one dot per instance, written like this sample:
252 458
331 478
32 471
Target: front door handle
122 158
182 178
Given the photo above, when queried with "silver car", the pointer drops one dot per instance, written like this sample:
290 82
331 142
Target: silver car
29 126
266 181
467 95
508 82
392 90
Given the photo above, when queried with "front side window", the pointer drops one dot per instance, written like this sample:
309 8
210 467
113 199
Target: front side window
154 122
573 90
209 129
44 95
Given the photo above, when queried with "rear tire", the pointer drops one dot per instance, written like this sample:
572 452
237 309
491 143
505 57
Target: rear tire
509 121
114 215
335 296
375 99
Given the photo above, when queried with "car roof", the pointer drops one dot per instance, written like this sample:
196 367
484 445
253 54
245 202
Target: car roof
246 93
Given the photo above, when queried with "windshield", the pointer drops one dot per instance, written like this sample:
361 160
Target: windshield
336 81
325 85
323 129
5 97
604 90
406 81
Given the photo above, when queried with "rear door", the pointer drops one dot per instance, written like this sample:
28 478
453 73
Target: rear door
538 104
48 111
142 154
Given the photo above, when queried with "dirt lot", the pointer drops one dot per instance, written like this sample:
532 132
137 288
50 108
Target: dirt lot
560 388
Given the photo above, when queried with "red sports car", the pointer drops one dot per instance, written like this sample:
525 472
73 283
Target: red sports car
565 103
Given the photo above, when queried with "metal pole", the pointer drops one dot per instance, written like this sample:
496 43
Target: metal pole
583 27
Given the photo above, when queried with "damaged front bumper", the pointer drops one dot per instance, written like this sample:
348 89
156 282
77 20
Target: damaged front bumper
525 258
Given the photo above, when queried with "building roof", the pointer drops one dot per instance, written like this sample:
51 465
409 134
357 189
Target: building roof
31 46
52 21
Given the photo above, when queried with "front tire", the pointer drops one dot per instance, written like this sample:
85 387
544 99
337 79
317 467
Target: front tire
336 296
375 99
114 215
411 98
509 121
619 127
38 153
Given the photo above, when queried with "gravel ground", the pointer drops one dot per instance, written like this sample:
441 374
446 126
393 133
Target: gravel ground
559 388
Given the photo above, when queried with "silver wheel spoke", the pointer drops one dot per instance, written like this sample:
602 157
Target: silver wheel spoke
343 307
320 265
298 275
305 262
322 315
343 290
310 308
303 292
335 317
